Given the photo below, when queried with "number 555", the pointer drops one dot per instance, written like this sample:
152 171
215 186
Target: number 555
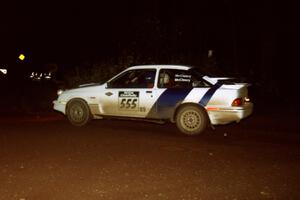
128 103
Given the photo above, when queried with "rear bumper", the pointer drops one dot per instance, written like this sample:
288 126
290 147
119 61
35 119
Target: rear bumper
230 114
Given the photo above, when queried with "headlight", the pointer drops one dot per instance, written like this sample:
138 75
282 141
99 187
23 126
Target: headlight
59 92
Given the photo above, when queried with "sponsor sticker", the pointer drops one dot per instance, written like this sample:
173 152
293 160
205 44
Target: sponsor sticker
182 78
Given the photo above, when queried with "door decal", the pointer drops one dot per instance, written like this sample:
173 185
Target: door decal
128 101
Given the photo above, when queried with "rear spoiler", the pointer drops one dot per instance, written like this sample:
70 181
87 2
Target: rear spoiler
214 80
225 81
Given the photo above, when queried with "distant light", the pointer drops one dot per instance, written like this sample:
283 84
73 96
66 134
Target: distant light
22 57
210 53
4 71
47 76
37 76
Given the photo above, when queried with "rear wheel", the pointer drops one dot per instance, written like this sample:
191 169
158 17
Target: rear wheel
78 112
192 120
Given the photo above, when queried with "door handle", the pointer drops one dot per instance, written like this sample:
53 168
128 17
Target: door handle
148 91
108 93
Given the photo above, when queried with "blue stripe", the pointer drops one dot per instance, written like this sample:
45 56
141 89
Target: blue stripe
165 105
208 95
171 97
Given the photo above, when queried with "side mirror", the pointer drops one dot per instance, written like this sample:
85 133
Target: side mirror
107 85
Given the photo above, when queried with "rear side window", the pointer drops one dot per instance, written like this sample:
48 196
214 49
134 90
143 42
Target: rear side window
170 78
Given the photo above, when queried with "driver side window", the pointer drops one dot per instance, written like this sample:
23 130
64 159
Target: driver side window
140 78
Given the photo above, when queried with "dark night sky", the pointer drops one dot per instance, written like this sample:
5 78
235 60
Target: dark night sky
256 40
245 34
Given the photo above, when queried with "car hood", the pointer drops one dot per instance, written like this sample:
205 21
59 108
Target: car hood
85 88
88 85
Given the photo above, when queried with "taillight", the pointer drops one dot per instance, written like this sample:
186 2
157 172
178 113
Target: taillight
237 102
247 99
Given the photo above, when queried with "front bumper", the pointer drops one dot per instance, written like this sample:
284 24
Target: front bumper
230 114
59 106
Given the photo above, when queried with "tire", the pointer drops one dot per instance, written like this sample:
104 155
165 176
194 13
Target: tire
78 112
192 120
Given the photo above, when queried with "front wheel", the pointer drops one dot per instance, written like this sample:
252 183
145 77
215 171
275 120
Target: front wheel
78 112
192 120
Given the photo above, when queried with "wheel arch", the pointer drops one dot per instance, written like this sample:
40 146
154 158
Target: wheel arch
173 119
77 99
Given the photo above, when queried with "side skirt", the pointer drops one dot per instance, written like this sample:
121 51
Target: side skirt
156 121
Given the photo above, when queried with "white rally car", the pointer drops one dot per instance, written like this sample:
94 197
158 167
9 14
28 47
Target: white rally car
179 94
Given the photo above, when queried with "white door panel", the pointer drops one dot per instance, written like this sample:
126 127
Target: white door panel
129 102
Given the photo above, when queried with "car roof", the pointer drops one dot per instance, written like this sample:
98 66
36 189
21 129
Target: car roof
179 67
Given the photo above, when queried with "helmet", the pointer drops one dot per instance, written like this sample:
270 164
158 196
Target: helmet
166 79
